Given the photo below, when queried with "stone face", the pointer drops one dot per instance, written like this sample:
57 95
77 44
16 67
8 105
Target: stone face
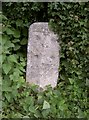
42 56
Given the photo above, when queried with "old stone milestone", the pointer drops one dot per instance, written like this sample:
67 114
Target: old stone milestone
42 56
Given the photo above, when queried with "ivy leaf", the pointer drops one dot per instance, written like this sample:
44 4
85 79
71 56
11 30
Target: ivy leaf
87 82
25 116
19 22
16 34
32 109
16 40
45 113
80 112
6 68
46 105
37 114
71 80
23 42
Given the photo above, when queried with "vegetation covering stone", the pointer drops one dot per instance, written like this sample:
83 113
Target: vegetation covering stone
70 97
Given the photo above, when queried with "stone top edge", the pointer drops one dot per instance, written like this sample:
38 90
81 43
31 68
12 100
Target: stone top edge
39 27
39 23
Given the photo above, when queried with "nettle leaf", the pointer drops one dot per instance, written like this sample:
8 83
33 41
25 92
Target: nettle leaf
6 84
9 44
46 105
3 28
6 87
5 38
16 33
8 97
0 59
14 92
0 39
0 50
6 68
13 58
16 74
20 83
6 43
17 47
3 57
4 17
9 31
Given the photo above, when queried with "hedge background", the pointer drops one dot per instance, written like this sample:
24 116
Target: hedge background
70 97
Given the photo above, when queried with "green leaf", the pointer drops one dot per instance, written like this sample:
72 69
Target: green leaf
87 82
16 40
81 114
6 68
0 39
37 114
16 34
23 42
12 58
4 17
14 92
71 80
19 22
6 43
9 31
6 88
32 109
1 59
9 44
4 39
46 105
45 113
8 97
6 84
25 116
17 47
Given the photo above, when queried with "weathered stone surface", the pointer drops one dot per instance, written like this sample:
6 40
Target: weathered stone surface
42 56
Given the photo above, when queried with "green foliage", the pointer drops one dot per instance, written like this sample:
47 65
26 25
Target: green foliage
69 98
72 29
